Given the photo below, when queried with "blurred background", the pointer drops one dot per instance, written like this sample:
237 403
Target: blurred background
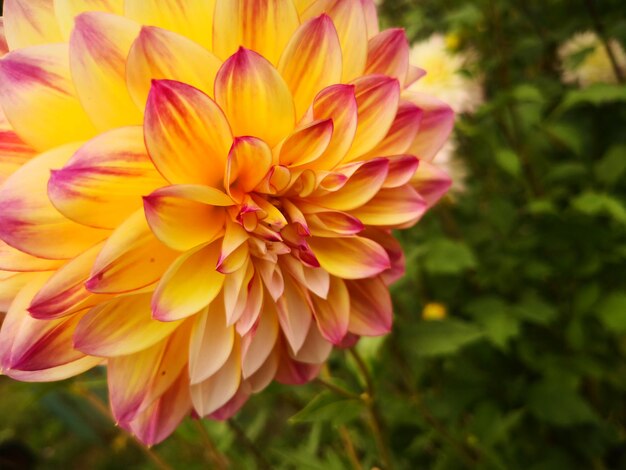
509 345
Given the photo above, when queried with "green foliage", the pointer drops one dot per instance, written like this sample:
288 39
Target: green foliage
528 370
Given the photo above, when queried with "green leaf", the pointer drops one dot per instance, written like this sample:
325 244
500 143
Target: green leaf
594 204
535 310
612 166
443 337
508 161
495 316
328 406
612 312
555 402
596 94
445 256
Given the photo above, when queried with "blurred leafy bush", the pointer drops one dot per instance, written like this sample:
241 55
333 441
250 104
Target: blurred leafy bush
528 368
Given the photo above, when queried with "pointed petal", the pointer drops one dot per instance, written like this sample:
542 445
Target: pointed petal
17 261
388 54
371 311
160 54
103 182
402 169
402 132
371 17
187 135
132 258
10 285
292 372
211 342
29 23
248 81
349 19
185 216
193 19
30 223
67 10
99 46
266 373
307 144
315 349
35 82
189 285
431 182
311 61
262 26
218 389
333 313
334 224
435 128
259 343
393 208
377 99
294 314
120 327
249 161
233 405
350 258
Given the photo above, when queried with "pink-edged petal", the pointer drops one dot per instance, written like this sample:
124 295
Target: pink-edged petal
393 208
307 144
431 182
295 313
103 182
67 10
314 279
258 344
185 216
414 74
120 327
213 393
211 344
388 54
311 61
10 285
30 22
350 258
402 168
29 221
292 372
4 47
332 314
99 46
193 19
233 405
334 224
14 152
266 373
262 26
272 277
435 128
371 311
395 251
402 132
189 285
371 17
161 54
36 81
187 135
377 99
248 81
17 261
249 161
131 259
315 349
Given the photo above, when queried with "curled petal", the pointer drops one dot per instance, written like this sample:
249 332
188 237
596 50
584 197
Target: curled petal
249 161
402 168
28 220
35 81
103 182
350 258
371 311
131 259
193 19
187 135
334 224
307 144
29 23
435 128
264 26
160 54
185 216
311 61
247 81
99 46
189 285
388 54
431 182
120 327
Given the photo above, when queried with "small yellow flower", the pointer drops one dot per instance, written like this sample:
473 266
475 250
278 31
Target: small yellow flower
434 311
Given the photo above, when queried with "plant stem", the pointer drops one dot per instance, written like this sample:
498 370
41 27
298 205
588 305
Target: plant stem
245 440
338 390
375 420
349 445
219 461
599 28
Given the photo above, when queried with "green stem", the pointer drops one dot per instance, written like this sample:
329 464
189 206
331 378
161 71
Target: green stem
245 440
219 461
338 390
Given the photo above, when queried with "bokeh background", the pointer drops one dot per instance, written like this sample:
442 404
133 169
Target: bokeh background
509 345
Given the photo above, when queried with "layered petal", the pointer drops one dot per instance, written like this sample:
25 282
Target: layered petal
10 285
311 61
350 258
99 46
371 311
13 260
187 135
36 81
388 54
264 26
431 182
307 144
104 181
4 47
392 207
29 23
435 128
295 313
14 152
402 132
258 344
249 161
246 82
161 54
332 314
67 10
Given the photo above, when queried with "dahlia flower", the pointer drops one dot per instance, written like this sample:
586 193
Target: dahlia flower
585 60
203 210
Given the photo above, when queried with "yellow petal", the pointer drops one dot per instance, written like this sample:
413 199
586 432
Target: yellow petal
392 208
160 54
350 258
388 54
307 144
99 46
29 221
29 23
193 19
187 135
104 181
36 81
67 10
14 152
435 128
249 161
10 285
189 285
311 61
132 258
17 261
332 314
401 134
264 26
248 82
